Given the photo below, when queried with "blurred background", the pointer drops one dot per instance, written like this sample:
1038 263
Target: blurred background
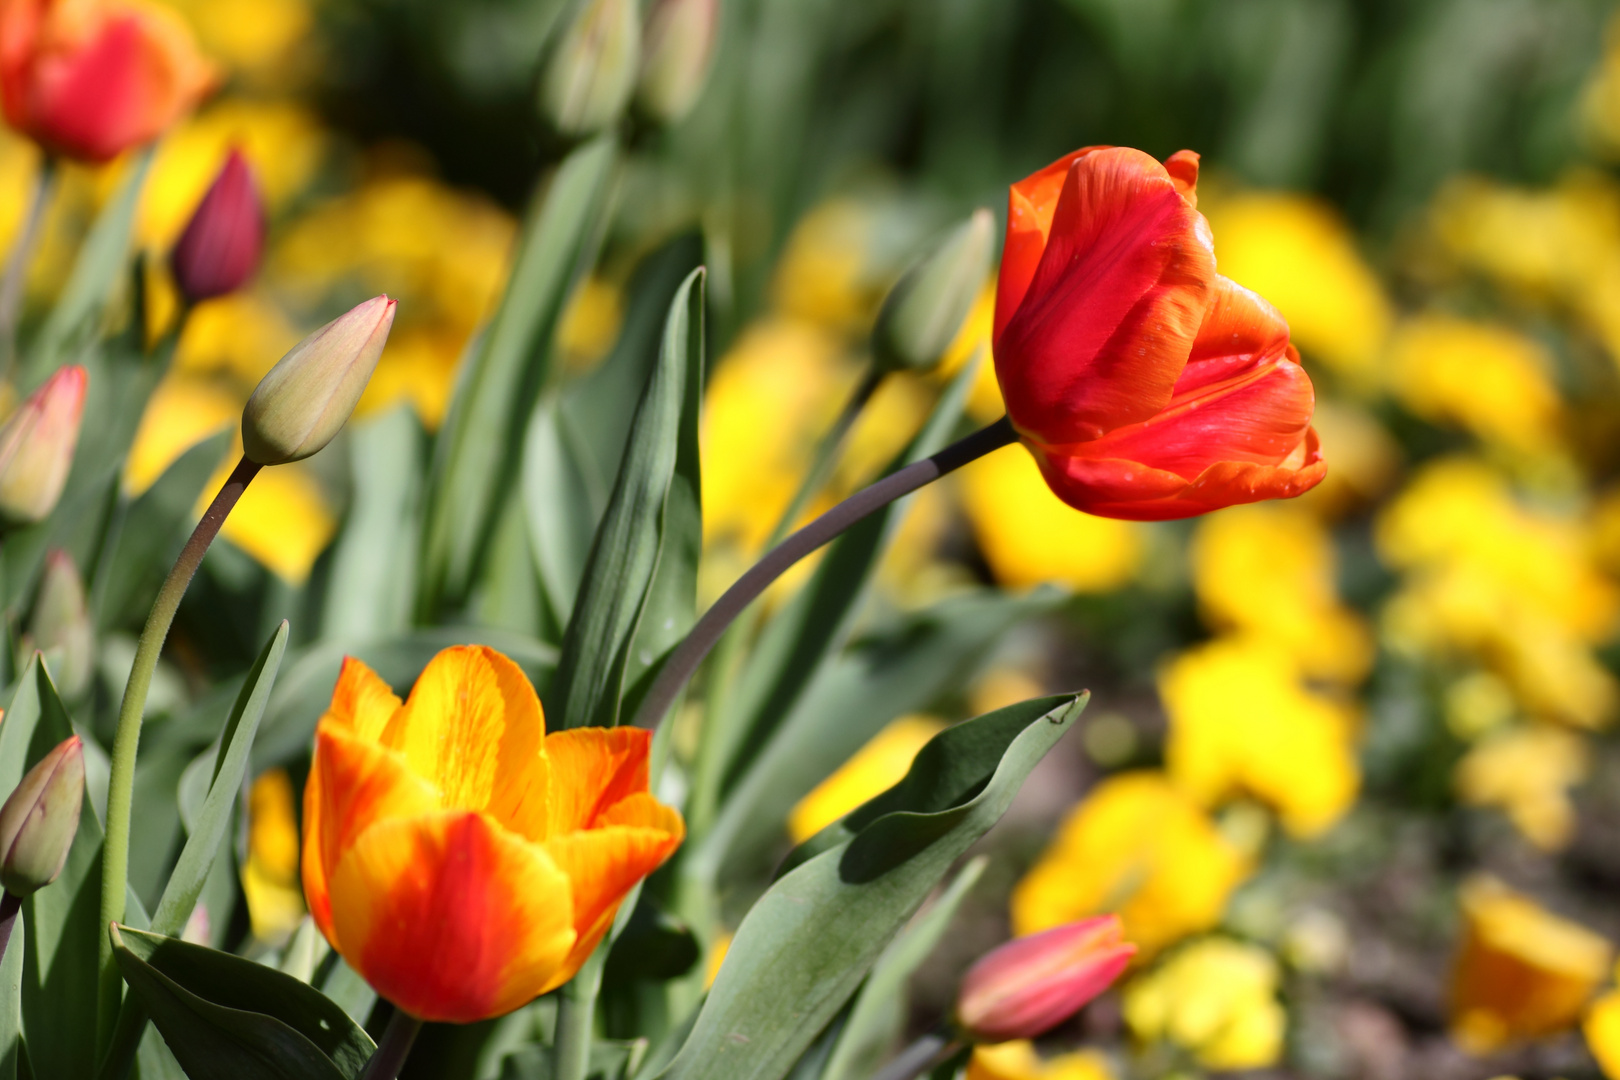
1348 771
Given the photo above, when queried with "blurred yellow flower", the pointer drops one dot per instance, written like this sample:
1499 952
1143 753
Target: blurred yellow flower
1019 1061
1522 973
1028 536
19 166
1140 847
590 323
717 956
1365 459
1527 773
1600 104
1602 1030
984 402
1489 379
241 335
1267 571
252 36
825 273
875 768
1298 253
181 413
1241 721
282 520
270 877
1216 998
887 423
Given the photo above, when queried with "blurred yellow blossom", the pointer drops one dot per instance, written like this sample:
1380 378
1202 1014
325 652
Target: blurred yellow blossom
875 768
984 402
1527 772
717 956
19 167
1600 104
1268 571
1140 847
1298 253
1522 972
252 36
825 273
590 323
1602 1030
282 520
1365 459
180 414
1478 702
1242 721
1215 997
1028 536
887 423
1487 378
241 335
1002 686
270 878
1018 1061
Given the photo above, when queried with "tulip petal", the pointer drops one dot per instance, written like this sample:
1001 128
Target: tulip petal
1117 299
450 916
361 701
605 862
1239 330
591 770
1030 205
473 728
353 783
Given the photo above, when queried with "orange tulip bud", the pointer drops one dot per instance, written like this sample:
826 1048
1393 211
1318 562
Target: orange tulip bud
37 443
1032 984
40 819
458 857
91 78
224 239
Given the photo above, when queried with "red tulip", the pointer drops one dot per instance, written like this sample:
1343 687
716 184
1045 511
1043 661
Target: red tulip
1032 984
222 243
1146 385
91 78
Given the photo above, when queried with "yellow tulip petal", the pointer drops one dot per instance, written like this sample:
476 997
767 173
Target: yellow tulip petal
452 917
361 701
592 769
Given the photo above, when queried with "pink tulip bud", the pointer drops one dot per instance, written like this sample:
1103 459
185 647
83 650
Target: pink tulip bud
222 243
1032 984
37 443
40 819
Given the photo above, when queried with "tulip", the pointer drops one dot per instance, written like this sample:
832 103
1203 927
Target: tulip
62 625
922 314
458 857
1032 984
679 37
40 819
1146 385
89 79
222 243
37 443
590 76
307 397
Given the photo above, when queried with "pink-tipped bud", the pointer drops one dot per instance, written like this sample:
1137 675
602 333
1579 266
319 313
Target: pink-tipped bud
40 819
37 444
224 240
1032 984
678 50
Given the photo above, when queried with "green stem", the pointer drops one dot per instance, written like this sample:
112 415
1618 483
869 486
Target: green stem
396 1043
20 259
576 1020
121 783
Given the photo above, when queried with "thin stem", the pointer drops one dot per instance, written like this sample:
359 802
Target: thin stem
826 454
10 908
576 1020
396 1042
18 262
923 1054
120 785
691 651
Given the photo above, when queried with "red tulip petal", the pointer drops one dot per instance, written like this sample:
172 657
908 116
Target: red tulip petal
591 770
1030 205
1238 332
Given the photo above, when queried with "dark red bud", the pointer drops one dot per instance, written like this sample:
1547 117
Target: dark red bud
222 243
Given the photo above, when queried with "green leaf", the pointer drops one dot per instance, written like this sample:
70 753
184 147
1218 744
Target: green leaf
374 564
625 556
225 1016
347 990
11 974
806 945
478 449
878 1016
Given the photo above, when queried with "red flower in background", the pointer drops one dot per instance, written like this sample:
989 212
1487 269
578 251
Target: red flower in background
1146 385
224 240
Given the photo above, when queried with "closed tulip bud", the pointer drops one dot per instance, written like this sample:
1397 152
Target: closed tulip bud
678 48
590 76
37 444
62 625
922 314
221 245
1032 984
299 406
39 820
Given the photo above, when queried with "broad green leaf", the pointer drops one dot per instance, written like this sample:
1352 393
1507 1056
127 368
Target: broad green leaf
806 945
563 499
225 1016
477 451
11 974
348 991
509 594
611 1059
878 1015
374 564
619 576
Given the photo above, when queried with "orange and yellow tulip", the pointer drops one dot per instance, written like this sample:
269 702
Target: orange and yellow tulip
458 857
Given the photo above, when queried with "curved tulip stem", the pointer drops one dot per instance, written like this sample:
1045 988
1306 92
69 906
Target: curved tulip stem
126 740
18 262
827 454
397 1040
576 1019
684 661
923 1054
10 910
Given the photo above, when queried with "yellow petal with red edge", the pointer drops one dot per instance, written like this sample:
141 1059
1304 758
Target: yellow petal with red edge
604 863
591 769
361 700
472 728
353 783
450 916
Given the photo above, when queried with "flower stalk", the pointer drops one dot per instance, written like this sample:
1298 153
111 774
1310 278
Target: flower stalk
398 1038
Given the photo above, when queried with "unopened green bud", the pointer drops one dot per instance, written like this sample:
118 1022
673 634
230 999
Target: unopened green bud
589 78
924 311
307 397
62 626
39 820
679 46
